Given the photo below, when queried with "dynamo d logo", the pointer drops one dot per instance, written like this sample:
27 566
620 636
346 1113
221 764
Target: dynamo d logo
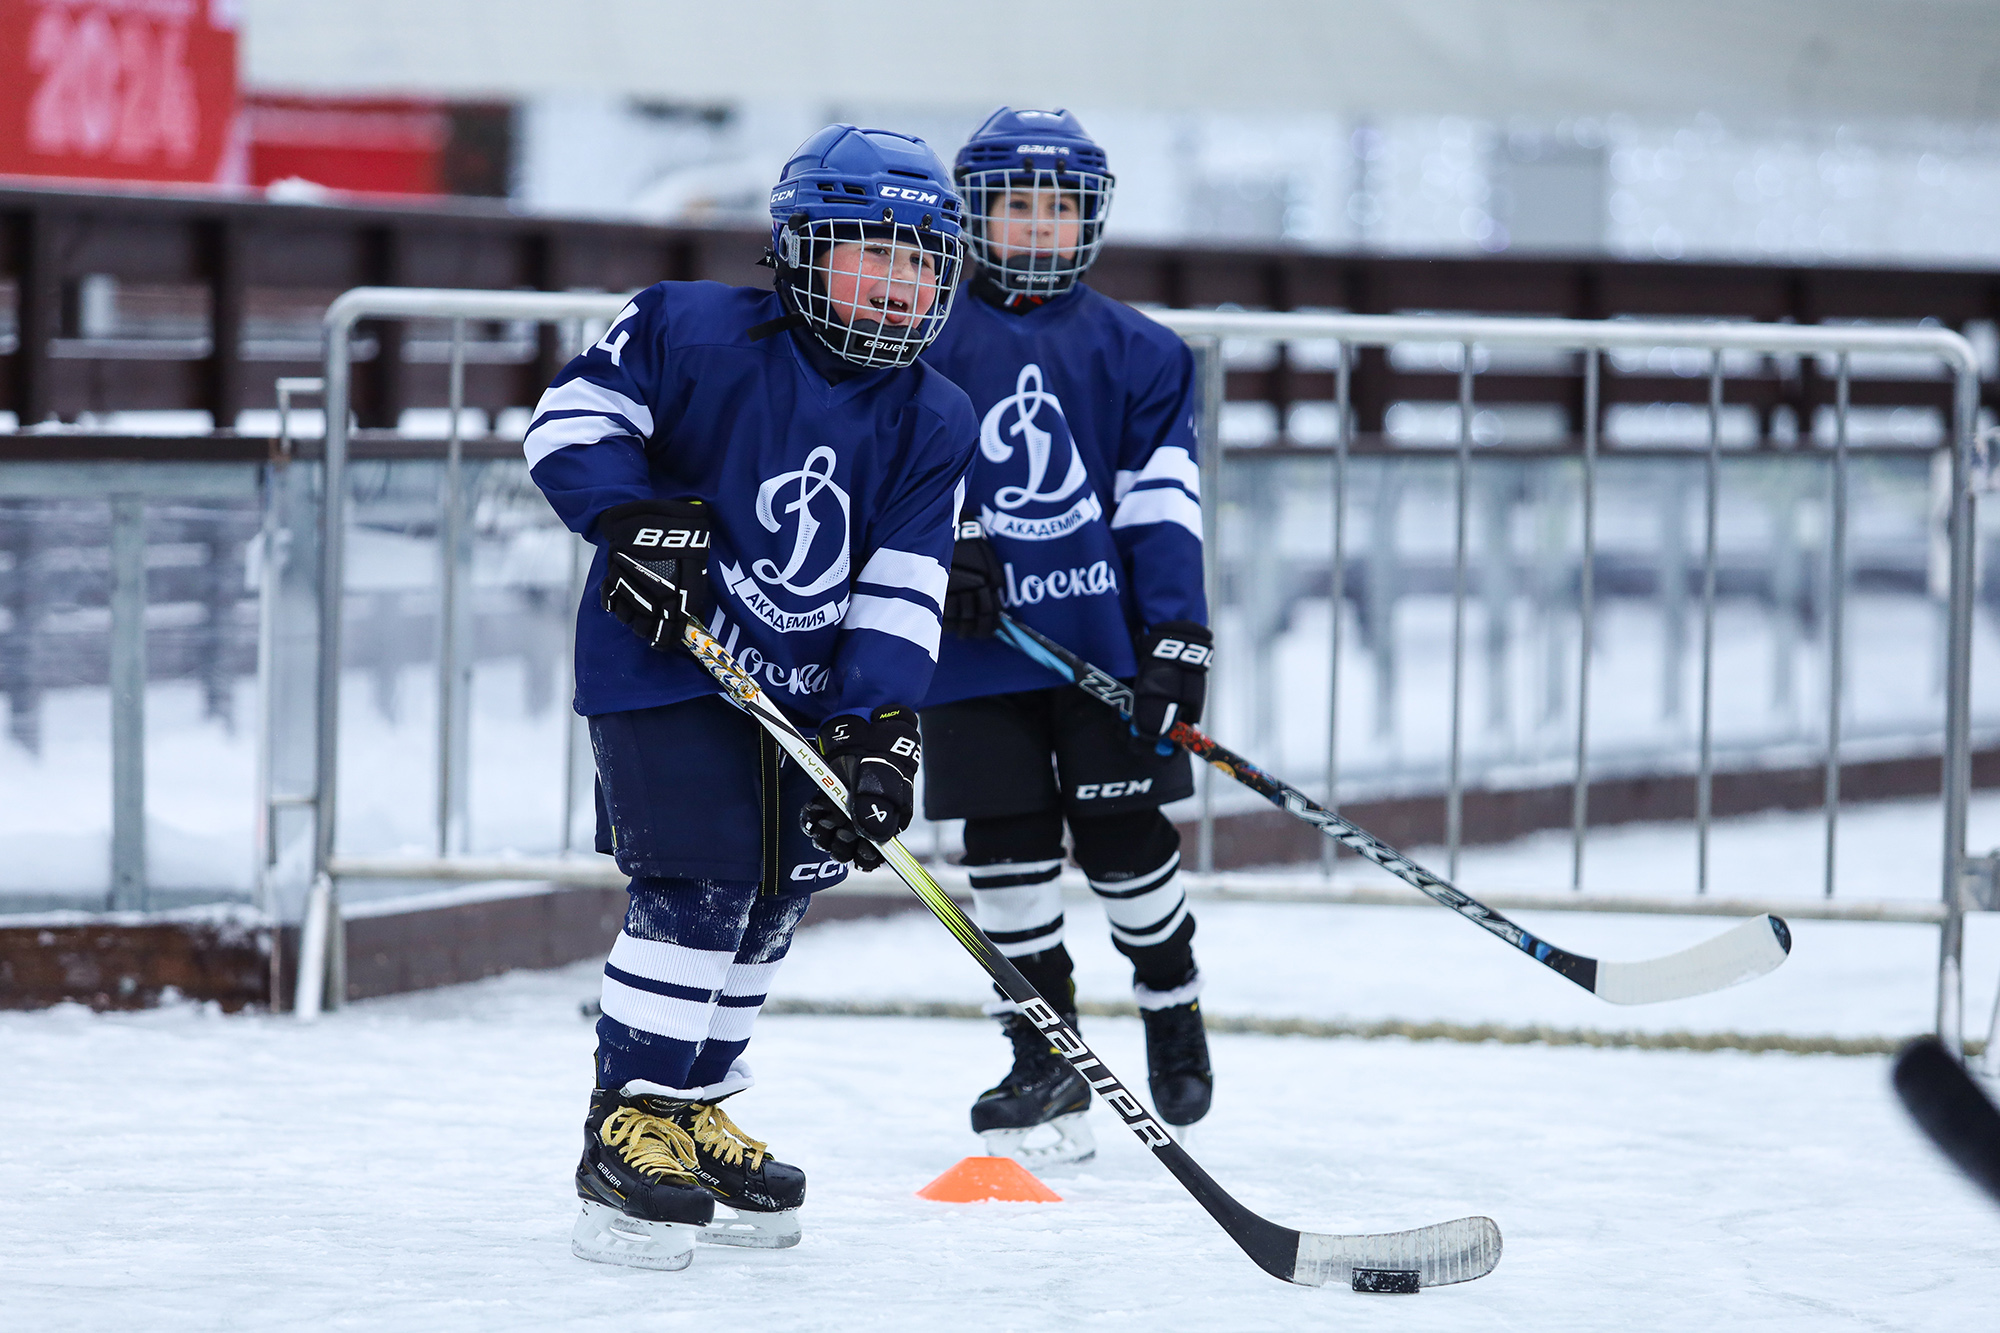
1020 416
815 507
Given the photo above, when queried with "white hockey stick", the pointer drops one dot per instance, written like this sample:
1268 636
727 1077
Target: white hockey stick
1740 953
1455 1251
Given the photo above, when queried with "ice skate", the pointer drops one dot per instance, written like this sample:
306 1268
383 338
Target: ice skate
1041 1090
642 1206
1177 1069
761 1194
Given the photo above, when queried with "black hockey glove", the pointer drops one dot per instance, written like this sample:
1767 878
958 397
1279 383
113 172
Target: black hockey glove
1172 683
877 759
972 596
657 576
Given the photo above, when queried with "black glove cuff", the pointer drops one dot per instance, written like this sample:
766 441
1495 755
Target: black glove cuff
889 734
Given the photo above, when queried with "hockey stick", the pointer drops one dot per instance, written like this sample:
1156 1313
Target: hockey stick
1744 951
1456 1251
1947 1105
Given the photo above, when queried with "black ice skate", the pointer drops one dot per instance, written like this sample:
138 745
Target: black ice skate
1177 1069
762 1193
1041 1089
642 1205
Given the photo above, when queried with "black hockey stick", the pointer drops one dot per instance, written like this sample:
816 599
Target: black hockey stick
1738 954
1947 1105
1430 1256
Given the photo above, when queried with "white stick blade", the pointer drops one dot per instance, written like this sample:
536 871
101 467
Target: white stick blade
1448 1252
1737 955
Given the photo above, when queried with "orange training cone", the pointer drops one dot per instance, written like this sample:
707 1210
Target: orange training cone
980 1179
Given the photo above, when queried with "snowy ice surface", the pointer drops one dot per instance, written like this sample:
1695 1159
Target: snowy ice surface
405 1165
1423 963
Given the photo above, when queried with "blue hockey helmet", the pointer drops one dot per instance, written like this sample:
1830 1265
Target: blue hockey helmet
1037 193
867 239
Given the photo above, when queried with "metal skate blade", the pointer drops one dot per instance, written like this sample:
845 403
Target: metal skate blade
604 1235
1181 1134
1073 1142
752 1231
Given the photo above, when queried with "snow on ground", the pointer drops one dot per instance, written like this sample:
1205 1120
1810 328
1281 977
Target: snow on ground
1415 965
1422 963
405 1165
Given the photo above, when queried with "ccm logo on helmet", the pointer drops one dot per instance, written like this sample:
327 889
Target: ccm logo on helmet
671 539
780 196
1174 650
904 192
1095 791
824 870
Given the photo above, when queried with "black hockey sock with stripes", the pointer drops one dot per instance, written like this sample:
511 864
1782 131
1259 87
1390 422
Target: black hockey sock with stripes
1132 861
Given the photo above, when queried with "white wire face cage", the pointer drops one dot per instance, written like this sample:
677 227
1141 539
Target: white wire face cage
1036 232
877 294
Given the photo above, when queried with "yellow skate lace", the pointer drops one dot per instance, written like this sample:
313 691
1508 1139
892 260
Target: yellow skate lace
649 1143
716 1132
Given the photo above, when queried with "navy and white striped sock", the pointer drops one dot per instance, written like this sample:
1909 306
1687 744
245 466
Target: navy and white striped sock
666 973
745 987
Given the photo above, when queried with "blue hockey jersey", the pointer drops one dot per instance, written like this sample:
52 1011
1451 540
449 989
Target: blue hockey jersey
1085 482
833 504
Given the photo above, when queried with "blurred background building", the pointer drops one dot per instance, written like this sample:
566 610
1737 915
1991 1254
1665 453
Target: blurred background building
1800 130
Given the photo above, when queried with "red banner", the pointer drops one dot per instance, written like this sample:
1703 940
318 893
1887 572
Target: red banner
135 90
380 145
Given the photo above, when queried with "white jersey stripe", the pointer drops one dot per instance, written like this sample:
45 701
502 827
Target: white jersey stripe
1159 504
581 395
893 615
1171 463
906 569
559 432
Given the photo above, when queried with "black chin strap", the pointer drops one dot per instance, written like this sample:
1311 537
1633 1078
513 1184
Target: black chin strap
791 319
989 290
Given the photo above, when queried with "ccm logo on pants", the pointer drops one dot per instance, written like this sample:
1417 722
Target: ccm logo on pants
824 870
1090 791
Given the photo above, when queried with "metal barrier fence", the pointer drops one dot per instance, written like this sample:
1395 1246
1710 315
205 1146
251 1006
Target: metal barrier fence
1586 343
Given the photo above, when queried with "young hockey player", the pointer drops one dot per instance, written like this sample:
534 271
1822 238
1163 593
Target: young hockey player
1082 519
778 467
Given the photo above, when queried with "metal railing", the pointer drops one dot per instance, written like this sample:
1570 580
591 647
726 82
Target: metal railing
1590 341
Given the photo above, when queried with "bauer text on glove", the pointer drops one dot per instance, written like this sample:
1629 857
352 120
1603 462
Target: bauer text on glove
1172 682
656 578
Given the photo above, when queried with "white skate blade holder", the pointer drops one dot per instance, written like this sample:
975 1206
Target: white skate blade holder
1073 1142
752 1231
604 1235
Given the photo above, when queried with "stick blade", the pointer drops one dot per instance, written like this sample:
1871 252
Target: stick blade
1739 954
1947 1105
1457 1251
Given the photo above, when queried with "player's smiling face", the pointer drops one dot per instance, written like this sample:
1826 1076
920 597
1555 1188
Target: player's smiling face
886 281
1033 222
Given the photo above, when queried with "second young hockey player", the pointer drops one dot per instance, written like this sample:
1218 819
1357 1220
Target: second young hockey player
778 467
1083 520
